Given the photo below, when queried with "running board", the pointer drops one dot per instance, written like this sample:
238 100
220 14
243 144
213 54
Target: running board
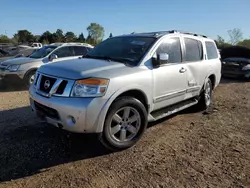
167 111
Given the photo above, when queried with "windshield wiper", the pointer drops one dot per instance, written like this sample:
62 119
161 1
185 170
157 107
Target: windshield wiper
117 59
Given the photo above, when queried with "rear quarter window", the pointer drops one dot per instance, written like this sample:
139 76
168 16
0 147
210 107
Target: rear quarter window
212 52
80 50
194 51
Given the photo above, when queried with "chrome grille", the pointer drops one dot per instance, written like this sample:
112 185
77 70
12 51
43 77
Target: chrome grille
47 86
46 83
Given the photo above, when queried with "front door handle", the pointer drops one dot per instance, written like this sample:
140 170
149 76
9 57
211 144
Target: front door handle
182 70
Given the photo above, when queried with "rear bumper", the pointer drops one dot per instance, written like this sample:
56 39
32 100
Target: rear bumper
80 115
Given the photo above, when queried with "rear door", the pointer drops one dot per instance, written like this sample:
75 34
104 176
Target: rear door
195 65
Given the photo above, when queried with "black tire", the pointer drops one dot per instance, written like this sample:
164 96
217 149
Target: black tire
203 103
107 139
28 77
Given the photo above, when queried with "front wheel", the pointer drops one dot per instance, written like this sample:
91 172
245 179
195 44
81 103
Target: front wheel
30 78
125 123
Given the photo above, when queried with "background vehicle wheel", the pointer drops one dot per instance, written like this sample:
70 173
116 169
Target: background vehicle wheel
205 100
29 79
125 123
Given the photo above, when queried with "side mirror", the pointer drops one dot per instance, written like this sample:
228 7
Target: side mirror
159 59
52 57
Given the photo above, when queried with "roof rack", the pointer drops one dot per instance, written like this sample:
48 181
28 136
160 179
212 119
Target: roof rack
187 33
76 43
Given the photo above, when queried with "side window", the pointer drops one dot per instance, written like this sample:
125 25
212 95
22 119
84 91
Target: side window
194 51
80 50
64 52
172 47
212 52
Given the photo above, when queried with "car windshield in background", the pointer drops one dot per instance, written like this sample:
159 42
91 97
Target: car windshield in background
122 49
42 52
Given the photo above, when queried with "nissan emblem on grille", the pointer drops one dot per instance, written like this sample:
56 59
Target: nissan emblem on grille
46 84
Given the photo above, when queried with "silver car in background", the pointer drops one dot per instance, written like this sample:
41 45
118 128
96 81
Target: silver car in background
25 67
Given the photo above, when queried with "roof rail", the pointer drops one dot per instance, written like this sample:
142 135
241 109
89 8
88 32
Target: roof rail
76 43
187 33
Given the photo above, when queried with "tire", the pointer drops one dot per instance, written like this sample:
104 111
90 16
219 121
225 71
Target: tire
205 100
29 78
124 124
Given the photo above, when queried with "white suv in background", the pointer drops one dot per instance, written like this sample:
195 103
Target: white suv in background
25 67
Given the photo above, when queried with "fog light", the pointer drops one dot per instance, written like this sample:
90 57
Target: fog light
71 120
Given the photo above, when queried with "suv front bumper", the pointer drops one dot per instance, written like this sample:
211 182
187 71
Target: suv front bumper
80 115
4 72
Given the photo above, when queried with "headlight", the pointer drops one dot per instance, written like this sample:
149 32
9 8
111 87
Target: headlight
91 87
13 67
246 68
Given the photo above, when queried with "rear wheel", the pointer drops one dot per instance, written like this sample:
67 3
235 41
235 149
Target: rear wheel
205 100
125 123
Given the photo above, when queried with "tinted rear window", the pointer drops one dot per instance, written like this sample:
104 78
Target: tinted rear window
80 50
194 50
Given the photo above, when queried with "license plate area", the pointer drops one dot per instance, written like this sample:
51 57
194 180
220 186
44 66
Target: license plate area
46 111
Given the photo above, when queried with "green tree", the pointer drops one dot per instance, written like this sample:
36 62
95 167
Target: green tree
70 37
245 43
96 32
47 36
110 35
5 39
90 40
220 42
81 38
36 38
45 41
235 36
59 35
24 36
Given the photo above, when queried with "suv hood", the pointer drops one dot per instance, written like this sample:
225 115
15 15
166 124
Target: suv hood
82 68
18 61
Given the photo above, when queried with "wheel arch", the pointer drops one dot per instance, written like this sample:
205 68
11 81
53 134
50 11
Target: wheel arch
212 77
136 93
29 71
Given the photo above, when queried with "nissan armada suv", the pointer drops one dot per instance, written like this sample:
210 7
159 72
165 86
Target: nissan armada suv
126 82
25 67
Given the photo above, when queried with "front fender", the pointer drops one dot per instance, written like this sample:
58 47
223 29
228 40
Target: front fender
103 112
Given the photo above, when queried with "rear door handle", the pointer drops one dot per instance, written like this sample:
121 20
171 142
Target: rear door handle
182 70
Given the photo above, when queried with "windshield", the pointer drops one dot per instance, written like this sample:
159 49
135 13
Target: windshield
130 49
42 52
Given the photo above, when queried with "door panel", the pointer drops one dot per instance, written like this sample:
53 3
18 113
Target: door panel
170 81
195 64
170 85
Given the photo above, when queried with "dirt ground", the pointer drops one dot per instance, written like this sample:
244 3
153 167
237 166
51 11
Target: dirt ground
190 149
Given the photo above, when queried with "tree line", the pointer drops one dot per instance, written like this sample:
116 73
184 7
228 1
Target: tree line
235 39
95 36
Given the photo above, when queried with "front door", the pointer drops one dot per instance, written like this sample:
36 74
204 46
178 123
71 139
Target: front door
64 53
170 80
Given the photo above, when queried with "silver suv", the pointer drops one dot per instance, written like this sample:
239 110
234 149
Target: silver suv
25 67
125 82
